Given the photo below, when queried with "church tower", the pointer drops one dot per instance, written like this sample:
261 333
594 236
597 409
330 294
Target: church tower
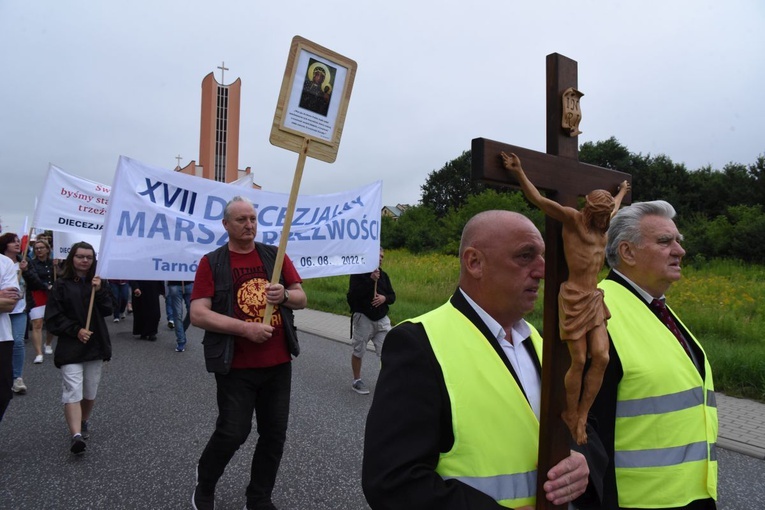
218 131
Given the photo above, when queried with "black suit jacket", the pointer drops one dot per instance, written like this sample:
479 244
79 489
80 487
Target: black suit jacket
604 411
409 425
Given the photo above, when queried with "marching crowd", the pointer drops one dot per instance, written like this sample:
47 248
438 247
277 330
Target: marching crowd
454 420
41 293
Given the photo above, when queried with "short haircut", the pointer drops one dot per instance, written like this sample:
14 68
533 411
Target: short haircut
625 225
6 239
232 202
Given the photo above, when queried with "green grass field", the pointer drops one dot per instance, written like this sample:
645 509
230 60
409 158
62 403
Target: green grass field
719 301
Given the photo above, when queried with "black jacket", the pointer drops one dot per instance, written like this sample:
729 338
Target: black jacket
361 290
604 412
410 424
66 313
39 276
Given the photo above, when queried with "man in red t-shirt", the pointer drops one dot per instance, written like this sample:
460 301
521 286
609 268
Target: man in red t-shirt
258 377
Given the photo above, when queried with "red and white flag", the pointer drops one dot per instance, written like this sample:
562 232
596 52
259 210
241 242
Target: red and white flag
24 236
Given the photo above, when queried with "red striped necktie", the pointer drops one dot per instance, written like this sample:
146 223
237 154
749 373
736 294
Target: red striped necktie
661 310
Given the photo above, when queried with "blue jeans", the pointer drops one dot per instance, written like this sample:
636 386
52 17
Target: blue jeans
174 301
19 327
169 307
122 296
266 391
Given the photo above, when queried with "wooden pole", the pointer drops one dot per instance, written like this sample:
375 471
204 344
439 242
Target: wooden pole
287 224
554 436
90 307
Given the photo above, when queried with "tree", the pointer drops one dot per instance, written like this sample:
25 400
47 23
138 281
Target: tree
718 210
748 235
448 188
608 154
757 171
390 235
420 229
653 178
489 199
703 184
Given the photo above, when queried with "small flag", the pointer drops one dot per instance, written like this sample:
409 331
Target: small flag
24 236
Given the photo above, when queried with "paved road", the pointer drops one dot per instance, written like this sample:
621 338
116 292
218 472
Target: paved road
155 412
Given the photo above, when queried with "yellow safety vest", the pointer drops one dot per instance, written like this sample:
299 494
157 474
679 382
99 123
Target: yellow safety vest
496 434
666 416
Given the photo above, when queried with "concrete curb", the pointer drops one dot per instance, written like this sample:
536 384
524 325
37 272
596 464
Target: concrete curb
741 421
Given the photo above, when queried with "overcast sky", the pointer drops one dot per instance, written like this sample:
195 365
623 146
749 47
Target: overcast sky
85 81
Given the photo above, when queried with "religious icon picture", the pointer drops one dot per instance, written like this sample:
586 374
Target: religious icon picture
317 88
313 100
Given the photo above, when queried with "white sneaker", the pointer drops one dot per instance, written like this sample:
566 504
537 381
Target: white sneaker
116 319
19 386
48 349
38 359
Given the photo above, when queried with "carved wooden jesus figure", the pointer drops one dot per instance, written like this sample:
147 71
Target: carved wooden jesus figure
583 314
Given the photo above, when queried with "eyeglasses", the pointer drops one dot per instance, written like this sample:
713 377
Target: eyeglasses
39 248
84 257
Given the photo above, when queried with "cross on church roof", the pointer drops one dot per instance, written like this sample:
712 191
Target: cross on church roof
223 69
178 158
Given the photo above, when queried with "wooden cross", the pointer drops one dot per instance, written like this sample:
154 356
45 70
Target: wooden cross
564 179
223 70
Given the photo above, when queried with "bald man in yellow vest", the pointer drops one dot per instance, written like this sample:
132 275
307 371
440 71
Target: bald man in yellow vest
454 423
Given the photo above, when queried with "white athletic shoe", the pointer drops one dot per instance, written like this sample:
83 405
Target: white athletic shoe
19 386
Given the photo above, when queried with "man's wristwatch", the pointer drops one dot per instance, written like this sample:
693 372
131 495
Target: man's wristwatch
286 297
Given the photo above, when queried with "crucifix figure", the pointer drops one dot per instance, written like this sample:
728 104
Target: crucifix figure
223 70
582 312
560 175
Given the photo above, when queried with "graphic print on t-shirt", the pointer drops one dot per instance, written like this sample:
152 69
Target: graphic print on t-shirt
250 284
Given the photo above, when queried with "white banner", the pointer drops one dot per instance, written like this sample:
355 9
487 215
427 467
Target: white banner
63 241
245 180
71 204
160 223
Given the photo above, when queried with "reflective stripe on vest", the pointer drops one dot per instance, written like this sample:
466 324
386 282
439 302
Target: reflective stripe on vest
503 487
661 457
665 403
666 415
496 434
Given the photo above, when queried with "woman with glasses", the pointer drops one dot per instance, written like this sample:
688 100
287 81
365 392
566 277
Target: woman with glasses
10 246
81 348
39 278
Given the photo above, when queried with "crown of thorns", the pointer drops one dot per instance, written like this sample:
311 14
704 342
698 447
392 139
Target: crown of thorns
600 201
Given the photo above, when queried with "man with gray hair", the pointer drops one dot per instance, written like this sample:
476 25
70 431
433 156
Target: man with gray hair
656 410
251 360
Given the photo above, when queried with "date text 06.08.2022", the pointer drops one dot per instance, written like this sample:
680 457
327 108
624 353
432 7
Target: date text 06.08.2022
330 260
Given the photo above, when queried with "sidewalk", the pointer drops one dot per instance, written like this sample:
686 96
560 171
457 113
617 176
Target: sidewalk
742 422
